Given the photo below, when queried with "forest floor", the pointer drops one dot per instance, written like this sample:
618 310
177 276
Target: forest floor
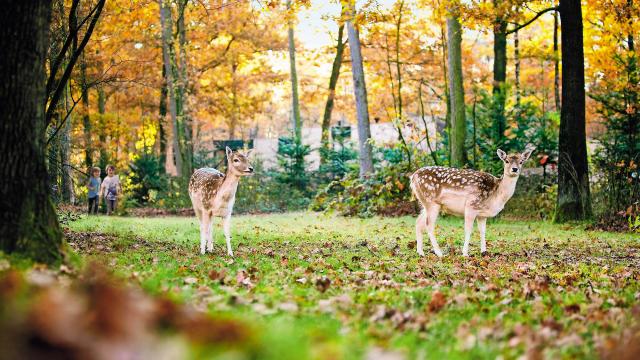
318 286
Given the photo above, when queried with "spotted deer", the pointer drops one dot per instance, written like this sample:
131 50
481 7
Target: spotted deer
213 194
463 192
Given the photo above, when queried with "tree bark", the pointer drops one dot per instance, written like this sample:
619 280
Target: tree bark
333 82
574 200
456 91
295 102
360 92
103 159
499 78
516 60
167 56
183 91
445 72
28 222
162 115
86 119
556 63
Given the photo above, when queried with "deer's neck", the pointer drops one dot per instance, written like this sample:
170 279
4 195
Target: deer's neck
227 190
506 188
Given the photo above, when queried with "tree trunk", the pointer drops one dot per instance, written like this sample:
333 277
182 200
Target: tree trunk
333 82
360 92
456 91
499 78
447 97
66 183
162 115
516 60
103 159
167 56
556 63
574 200
183 92
28 222
86 119
297 121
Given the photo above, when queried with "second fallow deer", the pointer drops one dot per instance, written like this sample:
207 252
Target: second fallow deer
463 192
213 194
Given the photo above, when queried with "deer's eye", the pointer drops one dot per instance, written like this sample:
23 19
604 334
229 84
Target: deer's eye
236 160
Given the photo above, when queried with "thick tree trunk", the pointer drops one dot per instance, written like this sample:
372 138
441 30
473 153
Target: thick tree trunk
360 92
167 56
447 97
297 121
574 200
333 82
556 63
456 91
28 222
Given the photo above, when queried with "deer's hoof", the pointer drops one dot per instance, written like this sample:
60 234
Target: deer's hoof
484 253
420 252
438 253
465 254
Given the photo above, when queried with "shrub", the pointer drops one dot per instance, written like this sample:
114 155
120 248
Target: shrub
147 178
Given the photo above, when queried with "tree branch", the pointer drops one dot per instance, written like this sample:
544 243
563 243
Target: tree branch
72 61
518 27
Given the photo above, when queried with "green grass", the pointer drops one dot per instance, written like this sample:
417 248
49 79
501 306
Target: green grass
544 288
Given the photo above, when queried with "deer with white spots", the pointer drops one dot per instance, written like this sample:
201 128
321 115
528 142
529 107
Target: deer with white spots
463 192
213 194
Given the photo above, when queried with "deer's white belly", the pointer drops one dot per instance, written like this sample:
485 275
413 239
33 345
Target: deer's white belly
453 201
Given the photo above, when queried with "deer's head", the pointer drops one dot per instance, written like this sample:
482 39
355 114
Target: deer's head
513 162
239 163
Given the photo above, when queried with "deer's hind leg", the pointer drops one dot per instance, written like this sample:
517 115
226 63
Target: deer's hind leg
421 225
482 227
432 211
205 225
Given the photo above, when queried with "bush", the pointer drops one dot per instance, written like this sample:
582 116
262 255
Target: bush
147 178
265 192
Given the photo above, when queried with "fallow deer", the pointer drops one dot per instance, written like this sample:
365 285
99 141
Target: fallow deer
463 192
213 194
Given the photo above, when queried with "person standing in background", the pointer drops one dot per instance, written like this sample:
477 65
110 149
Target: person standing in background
94 189
111 189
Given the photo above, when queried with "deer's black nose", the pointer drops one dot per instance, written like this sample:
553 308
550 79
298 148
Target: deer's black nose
514 170
250 169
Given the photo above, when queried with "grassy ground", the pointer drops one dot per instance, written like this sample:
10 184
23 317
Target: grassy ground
316 286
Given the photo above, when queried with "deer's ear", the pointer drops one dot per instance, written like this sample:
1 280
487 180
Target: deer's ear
248 153
229 152
502 155
526 154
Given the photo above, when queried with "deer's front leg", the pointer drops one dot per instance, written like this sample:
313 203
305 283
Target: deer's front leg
227 233
482 226
421 224
204 228
469 218
210 236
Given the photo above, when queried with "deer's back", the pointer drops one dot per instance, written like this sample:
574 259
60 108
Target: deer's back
204 185
452 187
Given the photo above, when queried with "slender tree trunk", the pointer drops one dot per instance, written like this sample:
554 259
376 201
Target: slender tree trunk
360 92
574 200
103 158
183 91
68 195
168 55
233 117
426 127
556 63
333 82
86 119
516 60
445 72
499 78
295 106
456 91
28 222
162 116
